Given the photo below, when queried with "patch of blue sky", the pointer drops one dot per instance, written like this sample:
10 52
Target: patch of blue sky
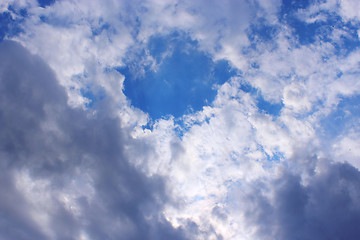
21 12
158 45
291 6
261 32
246 87
267 107
182 83
183 126
306 32
348 42
150 125
9 26
45 3
92 95
309 32
275 156
346 114
102 26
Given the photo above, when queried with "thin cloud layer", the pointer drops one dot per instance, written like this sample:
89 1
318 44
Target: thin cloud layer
179 120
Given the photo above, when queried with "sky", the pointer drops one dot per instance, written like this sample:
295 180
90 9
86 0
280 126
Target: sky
165 119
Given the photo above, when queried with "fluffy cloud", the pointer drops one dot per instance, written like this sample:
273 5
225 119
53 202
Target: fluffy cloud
78 161
66 175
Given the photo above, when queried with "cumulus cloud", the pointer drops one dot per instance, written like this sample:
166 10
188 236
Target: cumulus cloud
79 161
65 174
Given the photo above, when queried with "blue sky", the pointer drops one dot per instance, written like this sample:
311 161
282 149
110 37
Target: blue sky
183 81
150 119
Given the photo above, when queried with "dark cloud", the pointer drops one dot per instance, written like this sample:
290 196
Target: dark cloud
41 134
326 207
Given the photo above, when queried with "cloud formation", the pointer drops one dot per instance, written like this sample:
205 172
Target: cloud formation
64 174
296 210
265 145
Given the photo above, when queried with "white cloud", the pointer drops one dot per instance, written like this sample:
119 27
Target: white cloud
349 9
218 175
347 148
295 99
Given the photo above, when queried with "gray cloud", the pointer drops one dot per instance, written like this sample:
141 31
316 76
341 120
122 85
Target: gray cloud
327 207
81 178
41 134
